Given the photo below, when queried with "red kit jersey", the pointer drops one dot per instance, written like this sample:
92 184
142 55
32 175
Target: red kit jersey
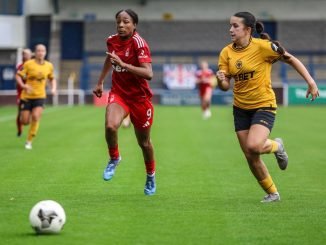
133 51
204 80
204 76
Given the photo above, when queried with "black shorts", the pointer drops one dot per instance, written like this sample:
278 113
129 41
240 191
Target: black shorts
29 104
243 119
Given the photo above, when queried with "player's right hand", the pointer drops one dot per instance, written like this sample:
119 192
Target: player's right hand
98 90
28 88
220 75
313 91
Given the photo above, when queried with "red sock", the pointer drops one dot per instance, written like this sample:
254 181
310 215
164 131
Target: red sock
150 167
114 152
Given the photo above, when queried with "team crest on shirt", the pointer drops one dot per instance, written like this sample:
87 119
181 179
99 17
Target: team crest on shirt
238 64
127 52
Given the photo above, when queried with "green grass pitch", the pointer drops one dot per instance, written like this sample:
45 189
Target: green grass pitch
205 191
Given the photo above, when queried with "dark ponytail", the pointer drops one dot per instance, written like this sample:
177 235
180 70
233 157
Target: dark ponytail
264 35
260 31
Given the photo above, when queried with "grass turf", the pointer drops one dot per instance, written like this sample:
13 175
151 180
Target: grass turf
205 192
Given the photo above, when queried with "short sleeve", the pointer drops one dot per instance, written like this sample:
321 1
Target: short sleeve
223 62
270 51
22 70
51 72
108 43
143 54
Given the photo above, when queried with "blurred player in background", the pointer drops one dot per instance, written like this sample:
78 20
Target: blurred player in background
248 61
36 72
26 55
129 57
205 77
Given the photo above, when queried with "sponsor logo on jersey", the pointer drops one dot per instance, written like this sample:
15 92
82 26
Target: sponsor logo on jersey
118 68
244 76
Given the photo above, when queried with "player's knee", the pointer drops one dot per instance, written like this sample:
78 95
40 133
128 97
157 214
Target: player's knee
112 127
253 148
24 121
145 144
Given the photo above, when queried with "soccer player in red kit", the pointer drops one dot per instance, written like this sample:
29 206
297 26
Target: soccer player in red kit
27 55
129 57
205 77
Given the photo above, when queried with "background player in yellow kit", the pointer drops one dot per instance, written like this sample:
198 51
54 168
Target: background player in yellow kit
36 72
248 61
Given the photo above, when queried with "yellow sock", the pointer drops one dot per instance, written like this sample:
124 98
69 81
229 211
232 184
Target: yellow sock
268 185
274 146
33 130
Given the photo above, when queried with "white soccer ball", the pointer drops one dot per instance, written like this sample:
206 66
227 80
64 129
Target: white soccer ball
47 217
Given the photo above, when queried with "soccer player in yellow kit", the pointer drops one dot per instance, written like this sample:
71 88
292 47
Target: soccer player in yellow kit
36 72
248 61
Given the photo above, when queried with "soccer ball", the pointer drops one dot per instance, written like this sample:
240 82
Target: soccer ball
47 217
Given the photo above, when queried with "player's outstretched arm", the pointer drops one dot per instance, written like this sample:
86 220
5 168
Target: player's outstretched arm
19 81
302 70
53 86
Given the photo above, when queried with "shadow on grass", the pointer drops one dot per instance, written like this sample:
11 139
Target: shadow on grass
34 234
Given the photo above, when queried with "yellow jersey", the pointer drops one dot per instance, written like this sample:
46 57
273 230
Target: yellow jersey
36 76
250 67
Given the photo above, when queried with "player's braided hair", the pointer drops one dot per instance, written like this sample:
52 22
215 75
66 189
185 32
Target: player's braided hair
131 13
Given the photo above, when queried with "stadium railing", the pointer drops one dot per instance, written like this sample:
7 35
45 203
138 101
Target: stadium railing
294 87
283 75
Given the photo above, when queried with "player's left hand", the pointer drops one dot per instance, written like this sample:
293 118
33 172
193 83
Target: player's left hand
220 75
313 91
98 90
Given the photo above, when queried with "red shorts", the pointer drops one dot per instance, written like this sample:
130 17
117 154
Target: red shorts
141 112
203 88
